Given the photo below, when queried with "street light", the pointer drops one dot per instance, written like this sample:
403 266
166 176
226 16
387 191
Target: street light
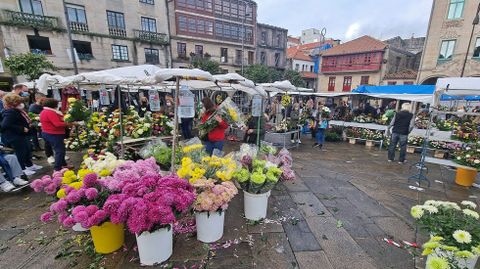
474 23
244 33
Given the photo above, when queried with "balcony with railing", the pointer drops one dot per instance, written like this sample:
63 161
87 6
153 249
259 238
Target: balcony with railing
26 19
117 32
153 37
78 26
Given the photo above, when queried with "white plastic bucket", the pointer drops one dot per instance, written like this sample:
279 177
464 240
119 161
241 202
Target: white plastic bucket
255 205
78 228
462 263
209 226
155 248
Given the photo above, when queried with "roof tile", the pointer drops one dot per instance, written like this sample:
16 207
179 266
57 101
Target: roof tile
359 45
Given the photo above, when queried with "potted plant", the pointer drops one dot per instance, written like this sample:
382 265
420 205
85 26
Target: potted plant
454 233
149 206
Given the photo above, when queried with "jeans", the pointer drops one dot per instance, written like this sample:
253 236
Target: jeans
320 136
23 150
212 145
187 128
34 138
58 145
394 140
15 168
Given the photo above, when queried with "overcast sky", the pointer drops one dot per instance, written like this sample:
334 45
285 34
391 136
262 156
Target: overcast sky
348 19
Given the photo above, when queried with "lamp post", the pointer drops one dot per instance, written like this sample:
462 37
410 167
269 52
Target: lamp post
244 32
69 33
474 23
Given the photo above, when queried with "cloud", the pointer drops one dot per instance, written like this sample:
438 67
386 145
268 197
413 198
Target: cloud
353 31
348 18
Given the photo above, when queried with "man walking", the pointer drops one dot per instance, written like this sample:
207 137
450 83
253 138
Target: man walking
402 124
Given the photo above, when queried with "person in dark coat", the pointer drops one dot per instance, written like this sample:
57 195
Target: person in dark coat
253 129
402 124
15 129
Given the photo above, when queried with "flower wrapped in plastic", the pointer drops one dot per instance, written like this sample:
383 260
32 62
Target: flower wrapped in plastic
228 111
102 164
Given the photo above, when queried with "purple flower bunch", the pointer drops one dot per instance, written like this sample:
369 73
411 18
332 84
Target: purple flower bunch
82 206
49 184
131 171
149 202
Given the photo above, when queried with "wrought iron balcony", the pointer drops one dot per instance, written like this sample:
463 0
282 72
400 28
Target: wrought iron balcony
117 31
25 19
78 26
150 36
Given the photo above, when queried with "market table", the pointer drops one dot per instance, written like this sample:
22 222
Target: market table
280 139
462 170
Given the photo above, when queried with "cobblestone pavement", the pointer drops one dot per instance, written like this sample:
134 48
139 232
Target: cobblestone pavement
346 200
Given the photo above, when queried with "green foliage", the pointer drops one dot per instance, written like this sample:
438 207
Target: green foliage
262 74
206 64
295 78
29 64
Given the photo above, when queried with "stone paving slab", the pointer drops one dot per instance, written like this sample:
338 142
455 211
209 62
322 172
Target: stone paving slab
342 251
272 251
309 204
313 260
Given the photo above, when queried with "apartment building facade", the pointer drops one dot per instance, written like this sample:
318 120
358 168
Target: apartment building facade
448 52
105 33
364 61
271 46
221 30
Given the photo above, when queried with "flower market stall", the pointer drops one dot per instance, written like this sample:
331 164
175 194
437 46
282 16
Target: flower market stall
281 133
467 156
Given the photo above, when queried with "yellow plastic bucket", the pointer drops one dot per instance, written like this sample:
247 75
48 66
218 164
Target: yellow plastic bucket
107 237
465 177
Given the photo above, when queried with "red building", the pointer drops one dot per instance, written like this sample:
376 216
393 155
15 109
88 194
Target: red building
362 61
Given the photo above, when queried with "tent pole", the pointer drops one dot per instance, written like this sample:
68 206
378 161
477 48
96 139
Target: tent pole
122 145
175 125
259 123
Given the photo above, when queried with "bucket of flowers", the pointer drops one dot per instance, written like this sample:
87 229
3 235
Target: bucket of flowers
257 177
149 205
211 177
454 233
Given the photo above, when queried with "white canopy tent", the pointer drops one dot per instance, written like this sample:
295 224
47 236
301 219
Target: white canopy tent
456 87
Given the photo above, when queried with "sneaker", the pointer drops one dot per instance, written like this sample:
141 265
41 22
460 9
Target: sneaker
67 158
28 172
390 161
299 142
315 145
293 141
34 167
51 160
19 182
7 186
402 162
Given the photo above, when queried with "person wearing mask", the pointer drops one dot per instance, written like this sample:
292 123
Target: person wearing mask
53 131
402 123
21 90
13 172
216 137
169 109
144 107
36 108
15 127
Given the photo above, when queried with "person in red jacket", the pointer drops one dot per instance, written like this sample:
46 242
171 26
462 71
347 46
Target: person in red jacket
216 137
53 130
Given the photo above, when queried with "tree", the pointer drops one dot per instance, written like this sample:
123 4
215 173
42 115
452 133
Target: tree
262 74
28 64
206 64
295 78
